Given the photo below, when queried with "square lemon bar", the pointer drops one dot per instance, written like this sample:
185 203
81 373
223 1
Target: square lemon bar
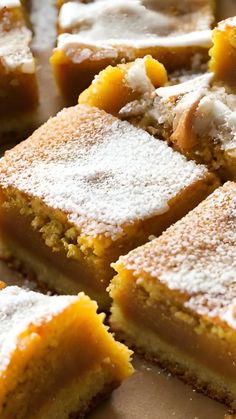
18 85
174 299
86 188
56 356
96 34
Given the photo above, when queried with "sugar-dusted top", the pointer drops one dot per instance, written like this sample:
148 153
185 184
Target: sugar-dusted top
15 51
20 309
137 23
102 172
196 257
10 3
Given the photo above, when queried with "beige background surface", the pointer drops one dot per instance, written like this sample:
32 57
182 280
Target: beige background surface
150 393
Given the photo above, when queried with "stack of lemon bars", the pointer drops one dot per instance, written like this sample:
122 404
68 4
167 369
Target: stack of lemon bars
128 197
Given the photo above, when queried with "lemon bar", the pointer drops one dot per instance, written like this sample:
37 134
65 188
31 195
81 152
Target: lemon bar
174 299
96 34
18 85
86 188
57 356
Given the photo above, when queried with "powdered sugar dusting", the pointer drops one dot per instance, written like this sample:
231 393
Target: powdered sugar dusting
103 172
15 50
197 257
20 309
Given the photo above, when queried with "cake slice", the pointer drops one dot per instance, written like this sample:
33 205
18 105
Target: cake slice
174 299
18 85
86 188
56 356
96 34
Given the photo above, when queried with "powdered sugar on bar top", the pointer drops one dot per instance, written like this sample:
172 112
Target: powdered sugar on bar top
20 309
196 257
102 172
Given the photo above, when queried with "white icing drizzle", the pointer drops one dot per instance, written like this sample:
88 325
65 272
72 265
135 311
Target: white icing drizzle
72 14
197 38
105 23
19 309
188 86
107 175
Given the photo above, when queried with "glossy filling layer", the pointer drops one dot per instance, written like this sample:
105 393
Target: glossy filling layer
39 262
90 273
201 342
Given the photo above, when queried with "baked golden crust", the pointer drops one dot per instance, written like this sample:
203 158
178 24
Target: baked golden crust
178 365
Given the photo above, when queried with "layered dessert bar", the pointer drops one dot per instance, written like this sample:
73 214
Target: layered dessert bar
96 34
57 358
18 85
196 116
174 299
86 188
